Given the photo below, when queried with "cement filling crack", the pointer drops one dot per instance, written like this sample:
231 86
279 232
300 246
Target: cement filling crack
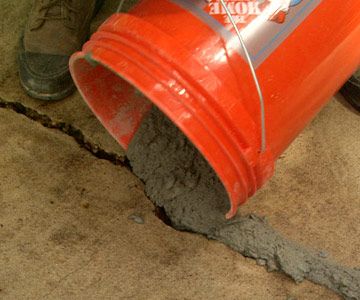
179 180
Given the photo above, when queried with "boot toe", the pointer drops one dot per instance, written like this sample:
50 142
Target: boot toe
351 91
45 76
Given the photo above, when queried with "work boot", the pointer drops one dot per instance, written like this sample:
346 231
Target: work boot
351 90
55 30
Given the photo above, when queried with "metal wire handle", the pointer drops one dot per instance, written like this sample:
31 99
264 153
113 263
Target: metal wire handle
252 69
253 72
120 6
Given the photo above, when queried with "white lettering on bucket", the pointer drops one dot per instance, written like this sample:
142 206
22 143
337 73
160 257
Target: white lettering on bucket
236 8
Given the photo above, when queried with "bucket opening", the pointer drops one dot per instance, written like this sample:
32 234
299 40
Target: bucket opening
116 101
119 106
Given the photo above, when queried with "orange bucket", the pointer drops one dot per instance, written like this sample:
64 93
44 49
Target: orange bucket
185 57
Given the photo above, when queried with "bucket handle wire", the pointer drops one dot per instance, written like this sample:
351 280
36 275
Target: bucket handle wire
121 4
254 75
252 69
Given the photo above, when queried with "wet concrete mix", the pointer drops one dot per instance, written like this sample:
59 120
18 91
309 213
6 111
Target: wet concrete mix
179 180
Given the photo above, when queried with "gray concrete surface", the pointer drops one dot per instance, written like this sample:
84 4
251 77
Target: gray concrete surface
64 226
65 232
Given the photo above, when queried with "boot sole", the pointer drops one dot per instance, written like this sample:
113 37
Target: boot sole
351 93
48 97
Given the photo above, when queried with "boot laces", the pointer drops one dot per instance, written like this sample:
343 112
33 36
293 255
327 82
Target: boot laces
63 10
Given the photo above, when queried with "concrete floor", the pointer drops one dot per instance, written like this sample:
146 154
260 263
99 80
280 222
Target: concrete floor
65 231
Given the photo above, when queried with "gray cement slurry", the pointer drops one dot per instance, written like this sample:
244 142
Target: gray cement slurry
180 181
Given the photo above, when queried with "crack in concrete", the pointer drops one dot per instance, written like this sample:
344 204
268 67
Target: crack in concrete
67 129
249 235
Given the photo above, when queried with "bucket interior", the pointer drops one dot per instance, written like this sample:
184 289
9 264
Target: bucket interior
119 106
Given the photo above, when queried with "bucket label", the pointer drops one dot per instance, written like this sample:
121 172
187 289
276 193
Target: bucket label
264 24
245 11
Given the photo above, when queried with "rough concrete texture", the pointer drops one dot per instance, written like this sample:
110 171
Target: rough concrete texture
73 226
178 179
72 110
